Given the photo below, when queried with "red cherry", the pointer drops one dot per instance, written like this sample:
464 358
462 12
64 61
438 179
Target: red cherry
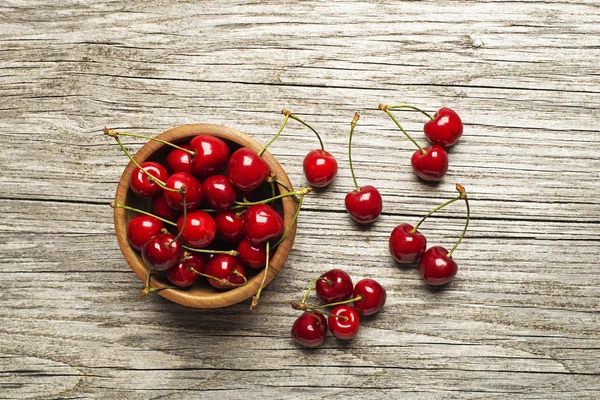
223 266
373 296
320 168
344 322
211 156
193 195
230 226
246 169
445 128
163 210
431 166
179 161
200 229
436 267
335 286
252 256
309 329
141 229
405 246
262 223
161 252
364 205
139 182
182 274
219 192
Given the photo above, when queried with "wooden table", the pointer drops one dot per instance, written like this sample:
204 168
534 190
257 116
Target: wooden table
520 320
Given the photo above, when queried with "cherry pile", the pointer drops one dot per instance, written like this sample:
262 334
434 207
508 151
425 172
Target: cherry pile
336 290
202 223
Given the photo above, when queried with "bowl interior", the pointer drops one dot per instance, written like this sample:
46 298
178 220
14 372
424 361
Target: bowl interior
202 294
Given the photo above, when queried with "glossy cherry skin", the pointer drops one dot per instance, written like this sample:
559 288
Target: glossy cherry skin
445 128
163 210
211 156
320 168
246 170
230 226
182 275
161 252
344 328
252 256
222 266
436 267
141 229
365 205
262 223
179 161
193 196
200 229
373 296
219 192
309 329
336 286
405 246
431 166
139 182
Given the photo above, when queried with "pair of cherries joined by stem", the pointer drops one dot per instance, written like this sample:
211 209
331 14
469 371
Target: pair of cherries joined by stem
443 130
407 246
335 289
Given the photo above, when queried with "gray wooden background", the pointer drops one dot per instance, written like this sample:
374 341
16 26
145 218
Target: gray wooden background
521 318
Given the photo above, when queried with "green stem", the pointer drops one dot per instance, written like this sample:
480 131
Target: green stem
137 210
183 191
147 289
262 284
285 121
325 313
312 284
336 303
387 111
352 126
289 228
293 116
282 184
110 132
432 211
227 252
464 230
300 192
412 108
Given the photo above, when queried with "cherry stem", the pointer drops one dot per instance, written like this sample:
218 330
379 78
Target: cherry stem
151 177
432 211
300 192
223 281
385 108
262 284
272 191
313 311
112 133
285 121
412 108
312 285
357 298
325 313
137 210
352 126
227 252
463 195
293 116
183 191
289 228
147 289
282 184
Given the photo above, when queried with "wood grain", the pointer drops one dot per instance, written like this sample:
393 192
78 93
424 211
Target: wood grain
521 318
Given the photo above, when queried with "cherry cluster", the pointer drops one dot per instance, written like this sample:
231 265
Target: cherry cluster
201 194
336 290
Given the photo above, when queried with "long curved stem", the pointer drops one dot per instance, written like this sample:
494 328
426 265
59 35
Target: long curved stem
289 228
462 235
352 126
285 121
395 107
312 285
183 191
293 116
148 289
385 108
111 132
432 211
300 192
336 303
208 251
137 210
262 284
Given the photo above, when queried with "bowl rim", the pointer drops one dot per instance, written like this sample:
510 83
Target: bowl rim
182 296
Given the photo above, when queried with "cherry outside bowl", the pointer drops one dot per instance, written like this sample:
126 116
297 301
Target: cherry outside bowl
204 295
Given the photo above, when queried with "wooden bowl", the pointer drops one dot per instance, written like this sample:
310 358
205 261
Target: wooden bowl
200 296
